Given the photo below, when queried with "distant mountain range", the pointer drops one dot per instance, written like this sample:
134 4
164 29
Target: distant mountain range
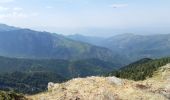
87 39
4 27
140 46
133 46
121 49
26 43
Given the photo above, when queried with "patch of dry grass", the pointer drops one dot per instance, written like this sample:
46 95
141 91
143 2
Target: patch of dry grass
111 88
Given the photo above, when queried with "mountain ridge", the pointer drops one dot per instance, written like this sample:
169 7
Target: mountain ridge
26 43
136 46
4 27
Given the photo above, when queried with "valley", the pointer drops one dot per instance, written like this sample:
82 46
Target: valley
31 76
84 50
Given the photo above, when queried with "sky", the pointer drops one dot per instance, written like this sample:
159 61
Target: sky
88 17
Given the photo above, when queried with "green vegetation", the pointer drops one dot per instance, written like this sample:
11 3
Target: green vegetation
64 68
32 76
11 96
141 69
28 83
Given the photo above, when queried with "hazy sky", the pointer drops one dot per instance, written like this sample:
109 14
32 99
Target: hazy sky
90 17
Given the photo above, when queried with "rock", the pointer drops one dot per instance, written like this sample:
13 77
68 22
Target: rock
50 86
167 91
114 80
56 87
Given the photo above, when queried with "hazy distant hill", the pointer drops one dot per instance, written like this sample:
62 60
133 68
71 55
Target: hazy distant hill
135 46
4 27
87 39
26 43
140 46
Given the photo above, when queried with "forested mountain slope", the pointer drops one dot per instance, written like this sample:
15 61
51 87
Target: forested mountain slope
141 69
32 76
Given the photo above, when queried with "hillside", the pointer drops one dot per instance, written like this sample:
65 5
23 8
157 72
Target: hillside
140 70
111 88
28 82
150 46
4 27
26 43
73 68
145 46
87 39
32 76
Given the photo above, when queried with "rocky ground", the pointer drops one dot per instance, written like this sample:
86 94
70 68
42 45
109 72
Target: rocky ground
110 88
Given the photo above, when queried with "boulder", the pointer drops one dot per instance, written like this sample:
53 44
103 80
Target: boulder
50 86
114 80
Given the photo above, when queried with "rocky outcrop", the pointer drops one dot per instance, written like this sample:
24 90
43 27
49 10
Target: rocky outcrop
111 88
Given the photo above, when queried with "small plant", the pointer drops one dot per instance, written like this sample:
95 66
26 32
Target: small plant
11 96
